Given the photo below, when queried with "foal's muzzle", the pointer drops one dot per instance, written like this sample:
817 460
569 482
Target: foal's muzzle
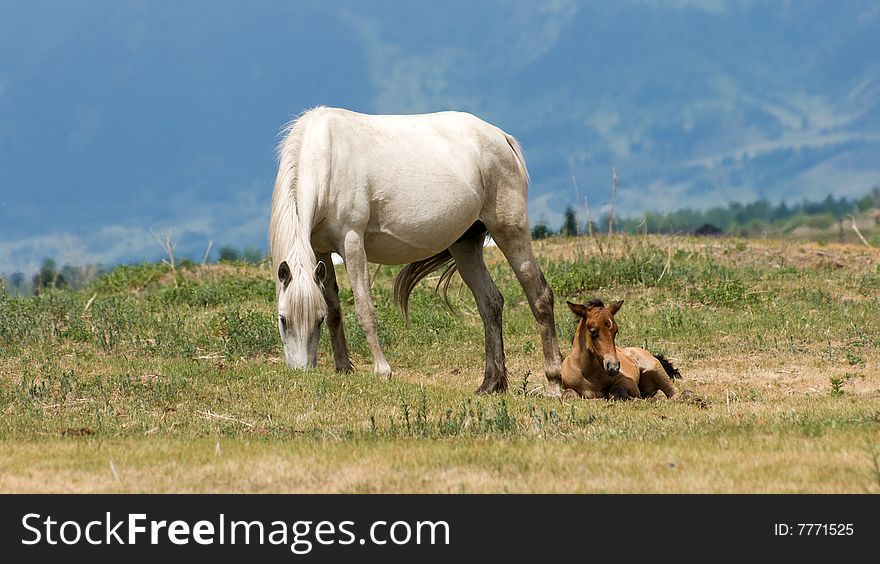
612 368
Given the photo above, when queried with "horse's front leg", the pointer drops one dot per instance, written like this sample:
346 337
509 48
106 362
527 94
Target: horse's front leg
341 360
359 275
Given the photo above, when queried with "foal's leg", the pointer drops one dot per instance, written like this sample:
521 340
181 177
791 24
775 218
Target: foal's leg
341 360
623 389
515 242
468 255
652 375
647 386
657 379
359 275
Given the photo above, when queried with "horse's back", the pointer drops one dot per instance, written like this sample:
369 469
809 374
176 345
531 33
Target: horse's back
418 181
457 141
400 123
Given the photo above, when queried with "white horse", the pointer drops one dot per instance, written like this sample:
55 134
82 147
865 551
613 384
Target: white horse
392 189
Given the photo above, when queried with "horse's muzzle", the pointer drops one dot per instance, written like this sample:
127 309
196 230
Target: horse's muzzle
300 363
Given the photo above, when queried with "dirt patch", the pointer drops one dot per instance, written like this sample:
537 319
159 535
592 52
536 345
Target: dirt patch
77 432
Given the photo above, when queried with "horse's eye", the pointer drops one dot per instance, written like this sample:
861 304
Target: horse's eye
594 332
283 321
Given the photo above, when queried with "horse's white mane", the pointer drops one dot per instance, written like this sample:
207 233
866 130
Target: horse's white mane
286 241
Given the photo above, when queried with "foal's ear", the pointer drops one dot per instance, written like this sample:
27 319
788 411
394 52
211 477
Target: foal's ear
284 273
577 309
615 307
320 272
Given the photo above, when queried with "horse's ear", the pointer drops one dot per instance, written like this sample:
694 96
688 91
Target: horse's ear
320 272
615 307
577 309
284 273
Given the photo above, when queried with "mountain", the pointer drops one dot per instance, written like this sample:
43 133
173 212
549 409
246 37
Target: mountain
116 118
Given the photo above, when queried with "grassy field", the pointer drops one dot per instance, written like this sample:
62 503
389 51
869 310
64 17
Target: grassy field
156 382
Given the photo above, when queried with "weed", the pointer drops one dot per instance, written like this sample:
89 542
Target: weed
247 333
126 278
853 359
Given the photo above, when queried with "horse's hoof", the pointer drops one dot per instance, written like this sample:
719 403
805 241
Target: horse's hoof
570 394
383 370
492 387
554 388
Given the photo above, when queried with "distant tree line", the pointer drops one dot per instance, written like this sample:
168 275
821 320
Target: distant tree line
735 218
250 255
50 276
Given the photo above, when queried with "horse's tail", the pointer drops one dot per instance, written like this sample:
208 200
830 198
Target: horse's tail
667 366
414 272
517 152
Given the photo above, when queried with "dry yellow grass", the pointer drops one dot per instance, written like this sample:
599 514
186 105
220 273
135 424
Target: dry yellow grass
751 463
163 389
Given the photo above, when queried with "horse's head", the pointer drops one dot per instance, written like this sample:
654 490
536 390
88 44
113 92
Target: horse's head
597 329
301 310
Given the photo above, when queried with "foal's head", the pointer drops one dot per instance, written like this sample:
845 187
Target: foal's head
301 310
596 331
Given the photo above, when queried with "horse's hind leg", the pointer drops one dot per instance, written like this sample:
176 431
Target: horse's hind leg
468 255
511 233
359 275
341 360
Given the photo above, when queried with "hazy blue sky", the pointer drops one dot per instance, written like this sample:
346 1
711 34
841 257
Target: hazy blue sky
117 117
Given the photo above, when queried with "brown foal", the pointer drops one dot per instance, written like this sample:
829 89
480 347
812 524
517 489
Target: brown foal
597 368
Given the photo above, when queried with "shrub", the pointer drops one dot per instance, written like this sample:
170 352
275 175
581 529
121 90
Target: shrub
126 278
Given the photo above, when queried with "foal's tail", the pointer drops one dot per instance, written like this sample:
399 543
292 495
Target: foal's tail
414 272
667 366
